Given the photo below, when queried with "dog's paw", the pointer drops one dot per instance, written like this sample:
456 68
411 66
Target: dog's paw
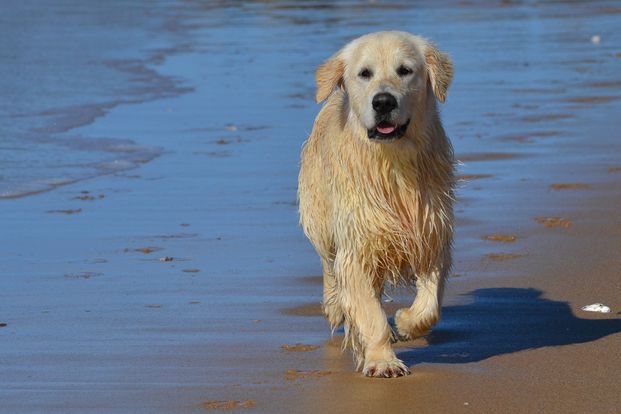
407 328
385 369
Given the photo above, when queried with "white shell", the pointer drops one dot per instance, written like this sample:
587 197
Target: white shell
596 307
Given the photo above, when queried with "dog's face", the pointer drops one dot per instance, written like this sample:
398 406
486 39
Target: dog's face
386 77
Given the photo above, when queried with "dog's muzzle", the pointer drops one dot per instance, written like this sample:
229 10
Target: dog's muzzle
383 104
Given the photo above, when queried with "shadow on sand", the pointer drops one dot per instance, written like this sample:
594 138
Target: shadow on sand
505 320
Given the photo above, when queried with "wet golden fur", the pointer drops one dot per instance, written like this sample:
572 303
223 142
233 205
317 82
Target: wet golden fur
379 211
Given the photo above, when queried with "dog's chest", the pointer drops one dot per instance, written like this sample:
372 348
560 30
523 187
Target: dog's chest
400 210
405 223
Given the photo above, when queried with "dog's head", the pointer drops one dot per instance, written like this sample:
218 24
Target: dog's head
387 76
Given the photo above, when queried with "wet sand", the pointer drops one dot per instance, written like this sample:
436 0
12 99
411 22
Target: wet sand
186 285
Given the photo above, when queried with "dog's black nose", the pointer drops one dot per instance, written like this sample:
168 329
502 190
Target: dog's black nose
384 103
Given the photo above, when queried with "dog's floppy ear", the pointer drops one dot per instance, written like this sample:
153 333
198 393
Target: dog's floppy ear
328 76
440 69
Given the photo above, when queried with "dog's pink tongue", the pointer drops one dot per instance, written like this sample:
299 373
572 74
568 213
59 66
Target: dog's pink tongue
385 128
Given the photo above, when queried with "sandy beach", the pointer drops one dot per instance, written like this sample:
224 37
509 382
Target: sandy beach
152 259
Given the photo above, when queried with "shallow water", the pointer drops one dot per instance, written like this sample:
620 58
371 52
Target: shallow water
223 93
67 64
64 65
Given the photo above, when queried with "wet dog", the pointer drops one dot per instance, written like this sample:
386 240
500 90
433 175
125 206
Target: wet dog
376 190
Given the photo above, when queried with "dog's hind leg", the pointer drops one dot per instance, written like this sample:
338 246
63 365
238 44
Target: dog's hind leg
366 327
331 302
417 320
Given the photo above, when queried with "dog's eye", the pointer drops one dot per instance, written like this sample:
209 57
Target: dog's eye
404 71
365 73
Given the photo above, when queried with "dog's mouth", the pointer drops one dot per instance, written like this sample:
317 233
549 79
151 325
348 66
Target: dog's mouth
387 131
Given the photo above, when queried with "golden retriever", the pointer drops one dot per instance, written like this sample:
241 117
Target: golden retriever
376 190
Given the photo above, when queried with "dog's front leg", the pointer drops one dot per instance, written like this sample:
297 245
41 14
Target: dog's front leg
366 327
417 320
